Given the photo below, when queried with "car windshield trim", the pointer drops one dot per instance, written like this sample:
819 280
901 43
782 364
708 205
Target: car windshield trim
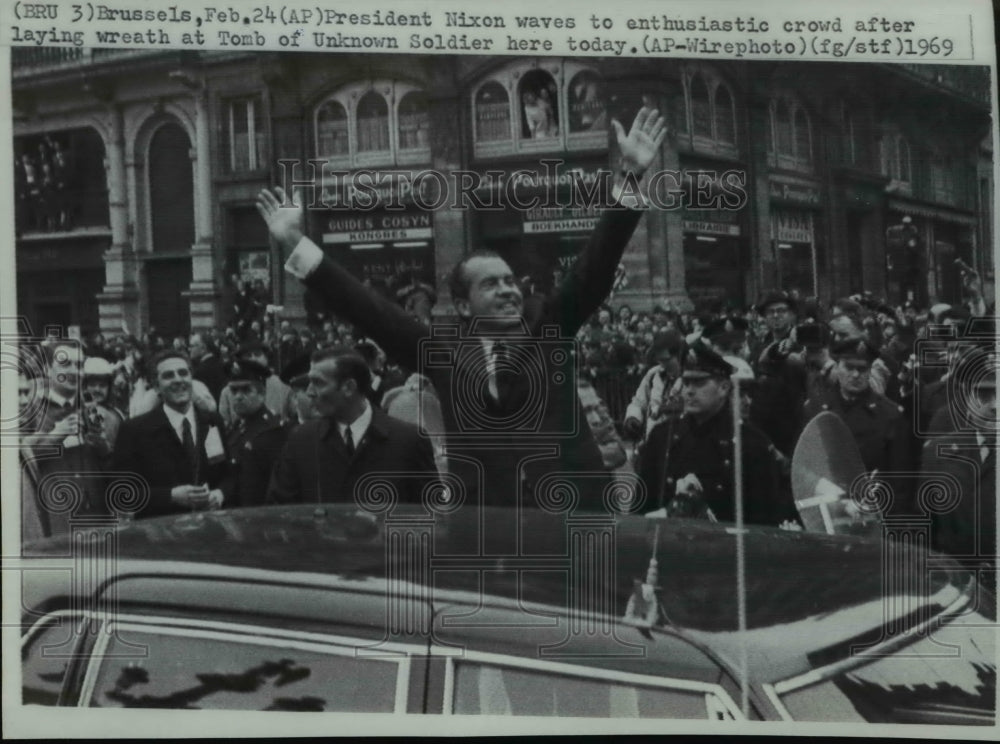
573 670
874 653
319 643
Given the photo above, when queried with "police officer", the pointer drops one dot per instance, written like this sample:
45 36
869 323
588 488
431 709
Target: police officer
728 335
256 436
687 464
876 423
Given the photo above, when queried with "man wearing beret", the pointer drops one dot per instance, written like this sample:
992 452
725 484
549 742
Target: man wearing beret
256 436
876 423
688 462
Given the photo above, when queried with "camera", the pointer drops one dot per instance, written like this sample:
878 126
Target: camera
968 360
91 418
542 368
810 335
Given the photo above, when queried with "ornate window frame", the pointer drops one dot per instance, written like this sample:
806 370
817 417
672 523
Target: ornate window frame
799 123
715 85
563 73
896 161
349 96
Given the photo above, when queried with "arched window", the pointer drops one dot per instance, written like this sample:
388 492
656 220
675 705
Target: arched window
725 115
701 110
538 97
791 139
373 123
896 159
587 106
539 106
680 110
904 171
492 108
171 196
704 112
803 140
332 139
414 121
782 129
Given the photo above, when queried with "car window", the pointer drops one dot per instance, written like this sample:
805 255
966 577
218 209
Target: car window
948 677
46 658
482 689
201 670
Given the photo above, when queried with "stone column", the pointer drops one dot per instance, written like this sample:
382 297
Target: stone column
203 293
119 302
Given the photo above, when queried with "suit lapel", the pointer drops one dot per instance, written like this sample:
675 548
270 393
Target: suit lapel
331 433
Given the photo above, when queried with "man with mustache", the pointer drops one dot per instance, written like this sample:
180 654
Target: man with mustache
484 371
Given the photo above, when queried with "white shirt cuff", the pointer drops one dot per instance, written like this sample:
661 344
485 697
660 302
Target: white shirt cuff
304 259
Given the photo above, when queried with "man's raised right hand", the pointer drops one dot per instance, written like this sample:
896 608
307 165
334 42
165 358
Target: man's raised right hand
282 215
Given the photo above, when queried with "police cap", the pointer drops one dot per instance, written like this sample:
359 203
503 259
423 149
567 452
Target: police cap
702 362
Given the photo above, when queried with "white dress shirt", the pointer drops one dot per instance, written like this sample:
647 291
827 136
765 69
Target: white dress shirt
176 420
358 427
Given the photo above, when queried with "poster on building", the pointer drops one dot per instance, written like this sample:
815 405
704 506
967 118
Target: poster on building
255 269
444 367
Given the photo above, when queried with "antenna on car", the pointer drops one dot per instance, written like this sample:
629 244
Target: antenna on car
741 567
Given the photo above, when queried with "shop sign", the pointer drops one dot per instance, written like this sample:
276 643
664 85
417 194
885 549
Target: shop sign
558 220
711 228
384 227
794 193
792 227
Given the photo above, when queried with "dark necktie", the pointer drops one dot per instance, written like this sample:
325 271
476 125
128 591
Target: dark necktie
349 442
188 441
501 371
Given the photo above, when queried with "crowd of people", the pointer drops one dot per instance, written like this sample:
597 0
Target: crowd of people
268 412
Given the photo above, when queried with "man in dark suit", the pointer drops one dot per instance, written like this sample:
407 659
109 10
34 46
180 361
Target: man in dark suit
325 458
964 525
176 448
502 457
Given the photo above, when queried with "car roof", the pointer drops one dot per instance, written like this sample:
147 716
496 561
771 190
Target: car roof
805 592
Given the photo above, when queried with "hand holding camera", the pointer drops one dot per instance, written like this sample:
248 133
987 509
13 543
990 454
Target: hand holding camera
632 427
66 427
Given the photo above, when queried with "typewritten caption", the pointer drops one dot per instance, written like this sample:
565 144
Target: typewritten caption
646 30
